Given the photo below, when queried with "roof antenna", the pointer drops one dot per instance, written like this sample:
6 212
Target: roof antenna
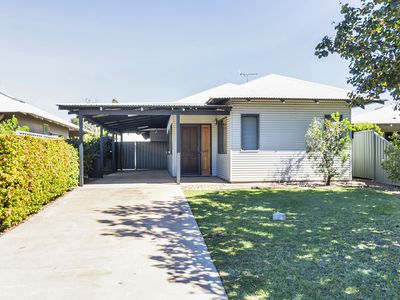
247 75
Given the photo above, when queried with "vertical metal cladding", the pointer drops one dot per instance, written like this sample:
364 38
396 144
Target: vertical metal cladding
149 155
368 154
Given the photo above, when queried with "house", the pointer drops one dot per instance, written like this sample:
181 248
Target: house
38 120
263 137
386 117
241 133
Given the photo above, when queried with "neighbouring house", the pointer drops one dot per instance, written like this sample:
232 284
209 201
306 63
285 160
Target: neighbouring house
38 120
241 133
386 117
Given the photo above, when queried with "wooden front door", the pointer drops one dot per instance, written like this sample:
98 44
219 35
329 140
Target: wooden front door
190 149
206 150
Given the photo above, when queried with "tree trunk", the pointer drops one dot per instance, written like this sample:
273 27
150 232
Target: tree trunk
328 180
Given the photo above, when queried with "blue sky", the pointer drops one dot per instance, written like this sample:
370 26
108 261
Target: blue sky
64 51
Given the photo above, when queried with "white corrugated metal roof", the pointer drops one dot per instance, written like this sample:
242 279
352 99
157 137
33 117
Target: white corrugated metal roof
216 92
381 115
281 87
9 104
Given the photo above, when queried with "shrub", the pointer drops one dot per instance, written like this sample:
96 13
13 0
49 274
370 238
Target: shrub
327 141
392 164
91 149
33 172
366 126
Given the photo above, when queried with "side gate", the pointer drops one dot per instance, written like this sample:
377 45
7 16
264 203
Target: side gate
141 155
368 152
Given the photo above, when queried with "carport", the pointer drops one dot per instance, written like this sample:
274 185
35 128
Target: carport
120 118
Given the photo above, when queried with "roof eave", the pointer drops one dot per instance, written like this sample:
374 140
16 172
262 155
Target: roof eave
226 99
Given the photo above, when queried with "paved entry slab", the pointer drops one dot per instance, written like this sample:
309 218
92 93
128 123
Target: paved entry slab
112 239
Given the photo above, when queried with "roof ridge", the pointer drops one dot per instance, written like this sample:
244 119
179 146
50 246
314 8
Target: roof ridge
12 97
296 80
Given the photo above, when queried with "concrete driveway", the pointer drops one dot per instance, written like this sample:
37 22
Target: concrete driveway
126 236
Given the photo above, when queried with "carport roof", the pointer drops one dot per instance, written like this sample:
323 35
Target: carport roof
134 117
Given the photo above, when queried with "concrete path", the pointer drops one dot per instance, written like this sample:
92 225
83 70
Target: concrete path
112 239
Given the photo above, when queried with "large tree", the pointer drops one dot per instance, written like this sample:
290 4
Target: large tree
369 38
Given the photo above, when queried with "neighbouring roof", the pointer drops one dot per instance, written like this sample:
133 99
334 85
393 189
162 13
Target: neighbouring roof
281 87
381 115
9 104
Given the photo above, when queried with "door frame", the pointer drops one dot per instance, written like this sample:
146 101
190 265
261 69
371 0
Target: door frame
198 126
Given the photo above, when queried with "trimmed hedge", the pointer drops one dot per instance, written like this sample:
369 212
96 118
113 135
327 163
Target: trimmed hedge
366 126
33 172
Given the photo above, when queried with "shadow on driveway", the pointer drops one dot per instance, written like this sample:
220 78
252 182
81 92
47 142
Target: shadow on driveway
182 251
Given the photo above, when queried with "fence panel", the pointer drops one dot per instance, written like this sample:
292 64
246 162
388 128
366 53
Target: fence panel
142 155
380 173
126 155
363 154
368 152
152 155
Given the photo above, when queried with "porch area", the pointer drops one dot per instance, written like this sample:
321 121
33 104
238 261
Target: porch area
191 131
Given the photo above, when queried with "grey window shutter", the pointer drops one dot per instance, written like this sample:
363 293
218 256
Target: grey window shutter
250 132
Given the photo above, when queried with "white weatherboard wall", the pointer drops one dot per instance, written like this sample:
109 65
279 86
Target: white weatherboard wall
282 152
224 160
189 119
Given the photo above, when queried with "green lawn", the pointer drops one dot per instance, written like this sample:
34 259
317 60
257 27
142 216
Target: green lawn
335 243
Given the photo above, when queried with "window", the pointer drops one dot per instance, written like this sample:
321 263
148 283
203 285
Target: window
250 132
170 141
46 129
222 136
329 117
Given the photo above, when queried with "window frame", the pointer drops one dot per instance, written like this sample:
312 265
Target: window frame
329 117
46 129
222 142
257 133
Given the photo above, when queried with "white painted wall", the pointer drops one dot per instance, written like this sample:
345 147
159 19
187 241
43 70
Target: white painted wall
224 160
171 156
282 154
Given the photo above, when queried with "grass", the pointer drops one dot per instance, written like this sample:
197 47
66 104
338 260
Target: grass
335 243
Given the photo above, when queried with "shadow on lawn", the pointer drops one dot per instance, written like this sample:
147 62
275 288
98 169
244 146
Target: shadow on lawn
180 245
335 243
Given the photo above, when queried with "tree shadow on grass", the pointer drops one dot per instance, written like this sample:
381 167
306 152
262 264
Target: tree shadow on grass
172 227
334 244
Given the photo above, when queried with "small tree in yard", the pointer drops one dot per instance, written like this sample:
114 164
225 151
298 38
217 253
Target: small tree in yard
327 141
11 125
392 163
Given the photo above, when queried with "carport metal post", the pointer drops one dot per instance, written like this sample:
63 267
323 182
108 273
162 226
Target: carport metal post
80 149
122 152
178 148
101 153
113 153
135 155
